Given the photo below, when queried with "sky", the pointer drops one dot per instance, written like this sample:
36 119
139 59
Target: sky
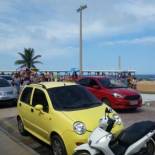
111 28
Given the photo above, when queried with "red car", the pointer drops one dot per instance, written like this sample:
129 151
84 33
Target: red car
113 92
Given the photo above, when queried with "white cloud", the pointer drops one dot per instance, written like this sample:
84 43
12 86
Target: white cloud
141 10
11 44
142 41
60 52
5 6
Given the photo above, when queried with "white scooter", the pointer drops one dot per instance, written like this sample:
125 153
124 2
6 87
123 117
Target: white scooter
137 139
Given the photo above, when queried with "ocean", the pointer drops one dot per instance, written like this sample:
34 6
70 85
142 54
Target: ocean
149 77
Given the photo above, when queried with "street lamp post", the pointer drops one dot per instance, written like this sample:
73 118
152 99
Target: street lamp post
81 45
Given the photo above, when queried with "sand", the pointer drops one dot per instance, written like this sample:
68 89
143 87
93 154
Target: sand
146 86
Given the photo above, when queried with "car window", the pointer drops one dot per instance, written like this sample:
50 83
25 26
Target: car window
84 82
72 98
39 97
26 95
92 83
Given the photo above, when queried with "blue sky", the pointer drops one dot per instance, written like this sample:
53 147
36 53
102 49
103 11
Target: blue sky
111 28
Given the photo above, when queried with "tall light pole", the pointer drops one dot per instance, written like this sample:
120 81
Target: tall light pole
82 7
119 63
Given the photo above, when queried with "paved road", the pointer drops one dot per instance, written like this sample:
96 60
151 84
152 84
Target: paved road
7 111
8 124
147 112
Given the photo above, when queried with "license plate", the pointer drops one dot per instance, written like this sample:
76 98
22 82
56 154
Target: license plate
133 102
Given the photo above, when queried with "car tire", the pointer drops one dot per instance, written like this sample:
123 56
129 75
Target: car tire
106 101
57 146
13 103
21 128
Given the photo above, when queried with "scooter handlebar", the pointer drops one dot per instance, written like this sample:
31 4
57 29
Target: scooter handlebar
110 123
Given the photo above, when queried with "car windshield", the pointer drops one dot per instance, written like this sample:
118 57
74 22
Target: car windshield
112 83
72 98
4 83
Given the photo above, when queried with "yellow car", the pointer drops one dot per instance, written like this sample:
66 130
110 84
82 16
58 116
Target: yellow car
61 114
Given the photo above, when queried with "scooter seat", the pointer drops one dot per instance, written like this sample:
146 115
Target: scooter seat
135 132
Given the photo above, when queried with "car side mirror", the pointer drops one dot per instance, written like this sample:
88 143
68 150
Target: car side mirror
39 107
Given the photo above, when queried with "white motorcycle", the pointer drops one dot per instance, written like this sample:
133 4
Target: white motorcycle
138 139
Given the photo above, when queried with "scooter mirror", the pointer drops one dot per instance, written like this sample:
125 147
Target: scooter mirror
108 110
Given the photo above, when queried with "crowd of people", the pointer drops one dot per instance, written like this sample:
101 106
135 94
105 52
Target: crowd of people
27 76
128 79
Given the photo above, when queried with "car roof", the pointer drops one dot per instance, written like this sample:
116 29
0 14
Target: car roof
6 75
48 85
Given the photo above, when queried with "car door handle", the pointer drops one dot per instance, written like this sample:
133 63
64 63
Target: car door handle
32 110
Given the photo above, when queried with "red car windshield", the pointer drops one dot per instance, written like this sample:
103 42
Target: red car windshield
112 83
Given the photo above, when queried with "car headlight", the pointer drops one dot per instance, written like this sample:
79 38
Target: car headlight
79 127
117 119
118 95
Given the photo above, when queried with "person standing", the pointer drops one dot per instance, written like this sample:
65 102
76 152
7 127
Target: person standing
16 82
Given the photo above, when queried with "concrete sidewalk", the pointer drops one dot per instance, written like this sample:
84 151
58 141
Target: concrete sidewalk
147 98
9 146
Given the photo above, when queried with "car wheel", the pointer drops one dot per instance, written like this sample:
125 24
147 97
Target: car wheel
57 146
21 127
12 103
106 101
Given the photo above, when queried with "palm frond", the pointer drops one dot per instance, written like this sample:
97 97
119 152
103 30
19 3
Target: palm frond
19 62
36 57
37 62
22 55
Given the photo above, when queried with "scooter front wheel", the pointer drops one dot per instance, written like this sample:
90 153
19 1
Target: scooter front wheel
150 147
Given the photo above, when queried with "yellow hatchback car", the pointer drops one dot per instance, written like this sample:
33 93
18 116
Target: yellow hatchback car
60 114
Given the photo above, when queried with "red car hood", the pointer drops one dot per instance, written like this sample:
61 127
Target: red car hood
125 91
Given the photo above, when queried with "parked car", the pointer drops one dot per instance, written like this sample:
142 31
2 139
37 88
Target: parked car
7 77
60 114
113 92
8 94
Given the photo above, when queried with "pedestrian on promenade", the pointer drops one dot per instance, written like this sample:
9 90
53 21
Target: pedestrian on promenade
16 82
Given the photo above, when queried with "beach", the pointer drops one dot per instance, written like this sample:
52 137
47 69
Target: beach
147 87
